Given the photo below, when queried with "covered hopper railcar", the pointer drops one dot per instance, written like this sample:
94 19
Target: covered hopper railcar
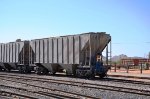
79 55
15 55
76 54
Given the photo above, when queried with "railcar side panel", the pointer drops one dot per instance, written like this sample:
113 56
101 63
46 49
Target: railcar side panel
76 49
5 53
55 51
65 50
11 53
71 50
41 51
60 50
17 51
37 51
51 54
46 52
14 52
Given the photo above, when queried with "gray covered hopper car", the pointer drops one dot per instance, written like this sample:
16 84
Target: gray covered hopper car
14 55
68 53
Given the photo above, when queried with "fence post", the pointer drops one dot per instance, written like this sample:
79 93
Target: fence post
115 67
127 68
141 69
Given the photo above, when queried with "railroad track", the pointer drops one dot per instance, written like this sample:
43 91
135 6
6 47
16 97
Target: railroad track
7 94
124 79
42 93
135 77
61 95
79 84
105 79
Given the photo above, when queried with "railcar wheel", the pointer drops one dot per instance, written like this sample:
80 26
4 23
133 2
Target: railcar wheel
3 69
67 73
74 74
20 69
45 71
41 70
92 76
52 73
26 69
8 70
102 75
23 69
0 69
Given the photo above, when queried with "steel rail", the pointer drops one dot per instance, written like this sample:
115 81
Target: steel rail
88 85
16 94
49 94
71 93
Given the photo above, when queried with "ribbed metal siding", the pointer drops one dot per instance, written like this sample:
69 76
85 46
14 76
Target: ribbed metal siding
3 48
68 49
14 52
8 53
76 49
5 53
55 51
17 51
65 51
51 54
37 51
32 52
1 52
46 52
11 52
71 50
60 50
41 51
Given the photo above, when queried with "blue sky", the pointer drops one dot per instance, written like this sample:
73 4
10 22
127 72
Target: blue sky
127 21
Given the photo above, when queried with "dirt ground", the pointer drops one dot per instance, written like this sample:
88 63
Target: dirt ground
135 71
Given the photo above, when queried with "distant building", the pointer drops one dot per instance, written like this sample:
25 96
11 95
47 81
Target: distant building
134 61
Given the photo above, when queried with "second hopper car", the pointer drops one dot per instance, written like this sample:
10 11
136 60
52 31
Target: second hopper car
79 55
15 56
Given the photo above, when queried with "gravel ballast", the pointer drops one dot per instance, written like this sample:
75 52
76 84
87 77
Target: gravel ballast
103 94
